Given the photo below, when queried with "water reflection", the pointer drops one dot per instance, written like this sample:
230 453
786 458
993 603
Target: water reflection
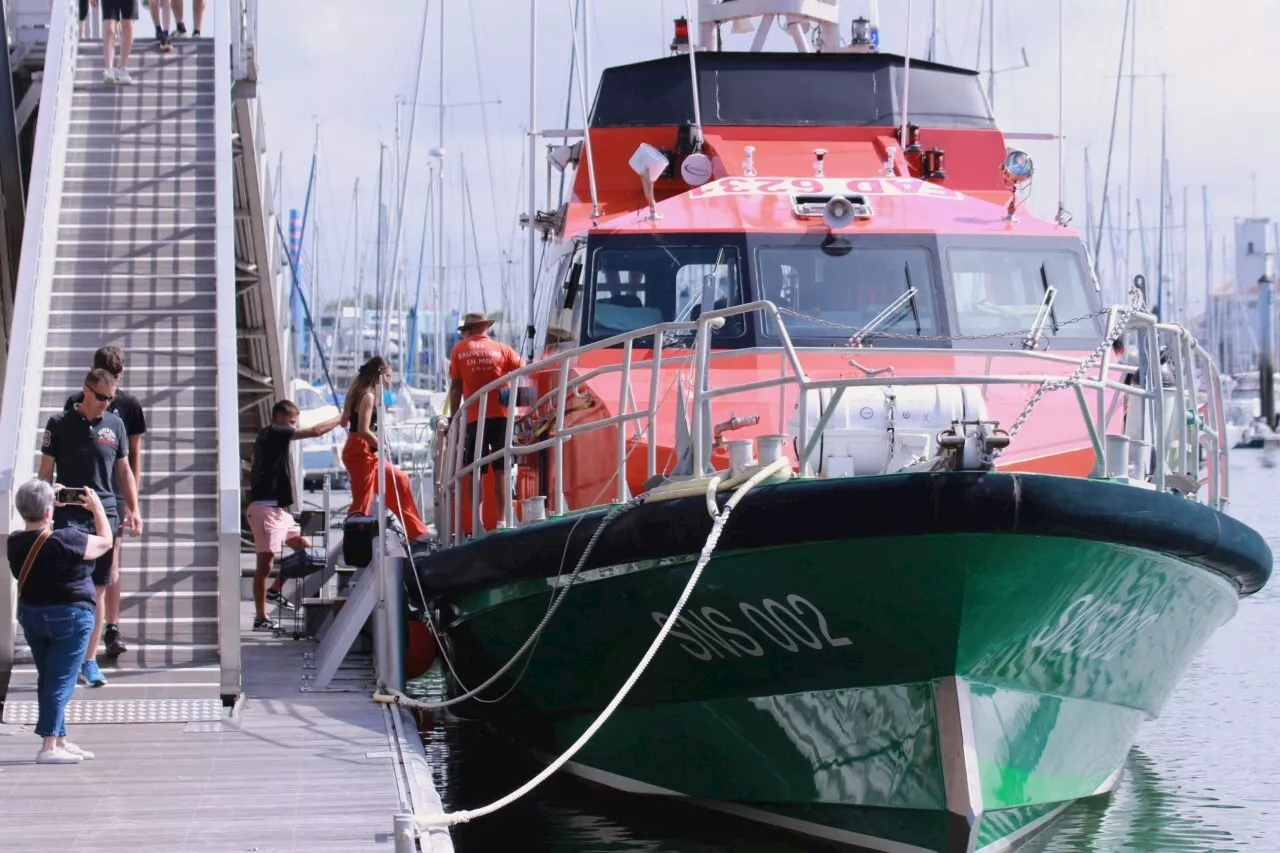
1205 777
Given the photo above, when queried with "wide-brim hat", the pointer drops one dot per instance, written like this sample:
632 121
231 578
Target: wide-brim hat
474 318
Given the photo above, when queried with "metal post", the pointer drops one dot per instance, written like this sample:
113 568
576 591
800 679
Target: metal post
531 249
404 832
389 627
1266 385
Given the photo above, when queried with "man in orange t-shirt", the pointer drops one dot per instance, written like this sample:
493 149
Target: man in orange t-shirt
476 361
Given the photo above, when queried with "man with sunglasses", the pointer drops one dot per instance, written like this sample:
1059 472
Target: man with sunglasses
88 446
129 410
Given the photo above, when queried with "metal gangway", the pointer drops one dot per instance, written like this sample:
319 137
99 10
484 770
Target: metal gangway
148 225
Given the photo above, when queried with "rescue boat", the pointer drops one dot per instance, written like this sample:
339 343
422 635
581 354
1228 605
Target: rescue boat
996 543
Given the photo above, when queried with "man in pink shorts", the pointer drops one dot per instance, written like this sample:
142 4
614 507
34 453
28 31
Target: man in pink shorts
270 496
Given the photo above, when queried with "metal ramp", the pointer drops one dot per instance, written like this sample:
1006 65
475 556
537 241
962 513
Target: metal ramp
139 208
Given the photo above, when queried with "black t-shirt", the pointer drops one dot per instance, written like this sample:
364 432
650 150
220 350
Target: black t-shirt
60 574
270 478
85 454
125 406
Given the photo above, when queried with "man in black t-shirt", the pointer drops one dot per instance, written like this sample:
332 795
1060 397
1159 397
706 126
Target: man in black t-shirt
87 447
129 410
270 496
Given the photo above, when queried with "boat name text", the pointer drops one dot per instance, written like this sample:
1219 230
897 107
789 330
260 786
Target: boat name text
825 186
709 632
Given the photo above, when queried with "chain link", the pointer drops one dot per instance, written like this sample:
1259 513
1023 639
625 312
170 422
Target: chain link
902 336
1121 325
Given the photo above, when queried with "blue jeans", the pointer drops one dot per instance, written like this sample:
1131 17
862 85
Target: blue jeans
58 635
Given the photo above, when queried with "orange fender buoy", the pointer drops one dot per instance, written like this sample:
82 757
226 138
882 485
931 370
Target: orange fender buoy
420 652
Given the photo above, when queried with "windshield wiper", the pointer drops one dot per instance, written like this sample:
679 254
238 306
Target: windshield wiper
1046 313
907 298
906 272
884 316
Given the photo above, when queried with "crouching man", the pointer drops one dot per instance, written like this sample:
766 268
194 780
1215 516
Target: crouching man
270 496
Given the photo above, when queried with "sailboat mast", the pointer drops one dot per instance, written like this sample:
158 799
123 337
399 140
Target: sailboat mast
991 55
415 309
933 32
382 211
464 300
1128 178
1210 329
531 248
1164 127
357 332
402 178
438 296
475 239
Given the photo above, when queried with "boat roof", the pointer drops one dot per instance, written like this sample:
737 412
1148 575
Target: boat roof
765 115
789 89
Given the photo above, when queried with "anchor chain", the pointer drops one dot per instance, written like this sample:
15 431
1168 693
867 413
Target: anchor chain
1121 325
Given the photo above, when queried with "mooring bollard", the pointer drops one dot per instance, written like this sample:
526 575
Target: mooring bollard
404 833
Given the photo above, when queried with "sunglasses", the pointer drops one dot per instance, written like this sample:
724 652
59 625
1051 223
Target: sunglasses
105 398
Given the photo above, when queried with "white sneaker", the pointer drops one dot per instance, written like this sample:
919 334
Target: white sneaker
109 77
57 756
70 747
123 78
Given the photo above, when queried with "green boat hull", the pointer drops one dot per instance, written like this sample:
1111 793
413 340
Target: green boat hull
946 692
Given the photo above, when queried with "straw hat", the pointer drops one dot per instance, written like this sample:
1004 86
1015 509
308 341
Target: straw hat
474 318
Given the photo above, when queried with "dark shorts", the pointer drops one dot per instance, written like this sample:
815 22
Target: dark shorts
62 517
84 9
494 438
119 10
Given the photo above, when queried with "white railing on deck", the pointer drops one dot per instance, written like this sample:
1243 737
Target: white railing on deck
226 35
1177 453
20 409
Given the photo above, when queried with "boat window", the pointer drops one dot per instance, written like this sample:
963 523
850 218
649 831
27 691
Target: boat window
999 291
635 288
822 294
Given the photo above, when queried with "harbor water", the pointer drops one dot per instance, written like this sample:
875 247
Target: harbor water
1205 776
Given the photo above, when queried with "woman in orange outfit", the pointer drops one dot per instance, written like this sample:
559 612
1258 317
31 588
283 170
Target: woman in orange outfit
360 453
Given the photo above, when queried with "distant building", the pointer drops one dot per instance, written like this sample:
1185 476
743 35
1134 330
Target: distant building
1233 310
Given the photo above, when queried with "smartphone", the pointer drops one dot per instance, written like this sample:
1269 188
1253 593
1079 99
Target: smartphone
68 496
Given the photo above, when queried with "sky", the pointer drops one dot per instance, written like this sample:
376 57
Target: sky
325 71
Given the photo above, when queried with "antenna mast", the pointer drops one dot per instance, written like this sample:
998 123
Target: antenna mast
693 79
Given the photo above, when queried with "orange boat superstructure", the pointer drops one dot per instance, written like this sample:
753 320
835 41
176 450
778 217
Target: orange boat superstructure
928 303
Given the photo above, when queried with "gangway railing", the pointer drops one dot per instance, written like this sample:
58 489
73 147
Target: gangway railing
20 404
1164 405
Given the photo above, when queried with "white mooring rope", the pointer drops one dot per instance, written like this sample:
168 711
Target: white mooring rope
721 517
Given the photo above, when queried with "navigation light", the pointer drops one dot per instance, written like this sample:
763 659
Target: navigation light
680 44
1017 168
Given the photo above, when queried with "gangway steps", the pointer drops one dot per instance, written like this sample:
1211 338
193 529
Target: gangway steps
134 267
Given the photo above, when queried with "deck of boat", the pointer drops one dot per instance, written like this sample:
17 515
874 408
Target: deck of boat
285 771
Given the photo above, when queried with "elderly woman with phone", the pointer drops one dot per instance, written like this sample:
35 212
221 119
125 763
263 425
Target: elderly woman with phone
56 602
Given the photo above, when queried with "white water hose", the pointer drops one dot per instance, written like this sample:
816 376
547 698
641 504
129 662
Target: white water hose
721 516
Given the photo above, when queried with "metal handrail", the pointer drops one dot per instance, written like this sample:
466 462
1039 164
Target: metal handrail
1192 365
244 33
227 408
20 407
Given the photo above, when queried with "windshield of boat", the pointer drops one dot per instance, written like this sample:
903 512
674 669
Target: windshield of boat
835 295
998 291
637 287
